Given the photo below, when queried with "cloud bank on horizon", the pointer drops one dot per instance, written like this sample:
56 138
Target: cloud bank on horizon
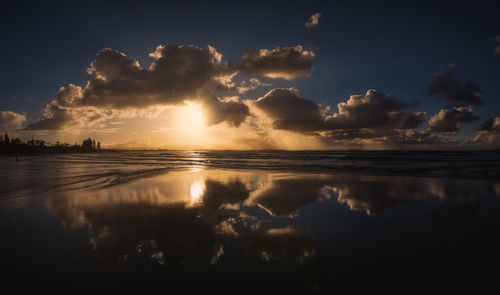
119 87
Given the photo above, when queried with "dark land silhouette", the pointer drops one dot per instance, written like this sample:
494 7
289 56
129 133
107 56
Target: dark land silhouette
17 146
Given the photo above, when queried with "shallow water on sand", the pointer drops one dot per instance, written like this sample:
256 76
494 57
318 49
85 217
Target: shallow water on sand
252 223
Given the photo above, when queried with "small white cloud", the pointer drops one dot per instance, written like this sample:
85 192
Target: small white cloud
496 39
313 20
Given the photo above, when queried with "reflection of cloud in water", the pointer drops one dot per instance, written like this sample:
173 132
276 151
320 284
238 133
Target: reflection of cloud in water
283 245
373 194
217 193
286 196
461 190
378 193
179 235
194 216
186 216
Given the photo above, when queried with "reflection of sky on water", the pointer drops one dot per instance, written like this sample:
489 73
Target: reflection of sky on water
320 226
192 216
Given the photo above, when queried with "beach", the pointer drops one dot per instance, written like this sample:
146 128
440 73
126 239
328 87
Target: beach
253 222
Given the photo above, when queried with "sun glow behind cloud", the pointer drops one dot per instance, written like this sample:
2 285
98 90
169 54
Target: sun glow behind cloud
182 126
190 119
189 99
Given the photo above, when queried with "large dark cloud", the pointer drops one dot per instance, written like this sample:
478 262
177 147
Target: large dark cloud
449 120
453 89
55 118
281 62
178 73
289 111
375 109
219 110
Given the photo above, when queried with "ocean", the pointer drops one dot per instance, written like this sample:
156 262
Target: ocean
270 222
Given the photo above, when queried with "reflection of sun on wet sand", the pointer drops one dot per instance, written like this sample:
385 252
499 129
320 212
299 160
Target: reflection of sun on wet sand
172 209
210 210
196 192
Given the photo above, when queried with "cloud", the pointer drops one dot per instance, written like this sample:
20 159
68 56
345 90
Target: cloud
375 109
178 73
219 110
120 87
118 82
488 134
57 117
492 125
281 62
313 20
496 39
289 111
375 120
449 120
385 138
400 138
11 121
251 84
453 89
226 83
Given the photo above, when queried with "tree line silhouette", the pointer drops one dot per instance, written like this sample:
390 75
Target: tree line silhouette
16 146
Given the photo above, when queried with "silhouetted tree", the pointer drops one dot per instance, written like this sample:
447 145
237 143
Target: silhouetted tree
17 146
16 141
87 144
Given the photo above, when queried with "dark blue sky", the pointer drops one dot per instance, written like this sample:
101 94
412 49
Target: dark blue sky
393 47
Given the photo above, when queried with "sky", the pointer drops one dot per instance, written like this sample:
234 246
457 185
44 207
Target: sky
253 75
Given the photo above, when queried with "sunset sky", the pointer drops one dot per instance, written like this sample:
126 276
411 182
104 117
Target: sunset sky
253 75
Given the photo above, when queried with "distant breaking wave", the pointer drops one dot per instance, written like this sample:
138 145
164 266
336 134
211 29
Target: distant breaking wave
454 164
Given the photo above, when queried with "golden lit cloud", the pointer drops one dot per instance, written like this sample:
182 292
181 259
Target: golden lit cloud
313 20
188 98
281 62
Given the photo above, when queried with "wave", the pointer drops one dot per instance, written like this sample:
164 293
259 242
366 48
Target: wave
455 164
